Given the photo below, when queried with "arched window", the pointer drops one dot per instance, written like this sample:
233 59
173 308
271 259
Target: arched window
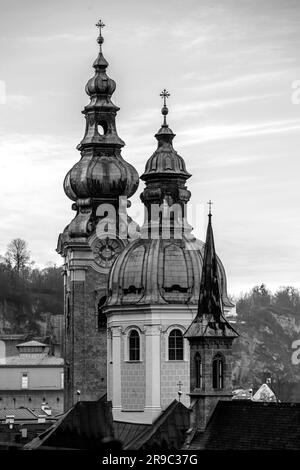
101 317
198 369
134 346
175 346
218 371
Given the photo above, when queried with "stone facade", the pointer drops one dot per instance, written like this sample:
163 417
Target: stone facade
140 390
95 184
149 284
173 372
133 376
85 344
205 398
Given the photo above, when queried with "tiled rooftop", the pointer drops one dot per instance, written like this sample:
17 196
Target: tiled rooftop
248 425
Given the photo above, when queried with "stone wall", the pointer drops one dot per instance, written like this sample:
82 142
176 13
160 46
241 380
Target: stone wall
31 399
85 345
133 378
171 373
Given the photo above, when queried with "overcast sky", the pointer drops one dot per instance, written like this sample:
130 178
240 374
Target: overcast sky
229 66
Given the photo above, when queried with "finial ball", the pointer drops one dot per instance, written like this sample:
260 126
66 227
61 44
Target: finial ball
100 40
164 110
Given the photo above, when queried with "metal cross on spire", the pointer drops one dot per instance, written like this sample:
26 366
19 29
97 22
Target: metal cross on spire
164 111
165 94
210 203
179 385
100 39
100 25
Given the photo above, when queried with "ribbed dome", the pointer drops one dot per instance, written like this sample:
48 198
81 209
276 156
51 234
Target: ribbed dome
160 271
165 160
104 176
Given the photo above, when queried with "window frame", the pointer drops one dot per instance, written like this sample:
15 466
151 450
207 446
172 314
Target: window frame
137 348
198 370
175 348
24 381
218 371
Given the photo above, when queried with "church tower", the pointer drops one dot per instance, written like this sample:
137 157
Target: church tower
210 337
99 185
153 293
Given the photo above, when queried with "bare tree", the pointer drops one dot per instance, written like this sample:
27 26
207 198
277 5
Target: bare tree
18 256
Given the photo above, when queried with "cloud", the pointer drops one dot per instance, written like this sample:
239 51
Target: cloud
71 37
246 79
17 102
236 131
34 167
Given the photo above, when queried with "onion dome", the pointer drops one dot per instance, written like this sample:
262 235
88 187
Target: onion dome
100 85
101 175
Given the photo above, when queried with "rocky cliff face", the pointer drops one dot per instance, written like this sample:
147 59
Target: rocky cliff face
265 349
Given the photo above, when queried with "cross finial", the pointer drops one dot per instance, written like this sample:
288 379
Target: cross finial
100 39
179 389
165 94
210 203
100 25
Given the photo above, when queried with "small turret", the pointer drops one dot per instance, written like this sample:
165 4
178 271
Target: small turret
210 336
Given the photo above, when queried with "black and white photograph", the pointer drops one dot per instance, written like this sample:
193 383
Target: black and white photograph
150 229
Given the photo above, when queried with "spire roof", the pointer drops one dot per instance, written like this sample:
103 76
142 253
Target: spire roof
210 320
165 161
210 300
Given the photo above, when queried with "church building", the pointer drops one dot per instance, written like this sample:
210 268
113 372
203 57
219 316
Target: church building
132 303
148 342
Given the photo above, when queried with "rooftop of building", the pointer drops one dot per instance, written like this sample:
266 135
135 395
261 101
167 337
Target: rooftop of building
167 431
23 414
248 425
31 360
88 424
31 344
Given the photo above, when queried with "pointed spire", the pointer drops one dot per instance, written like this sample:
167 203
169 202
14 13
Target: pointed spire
210 320
210 299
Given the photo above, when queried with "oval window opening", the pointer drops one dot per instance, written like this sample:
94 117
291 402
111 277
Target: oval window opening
100 129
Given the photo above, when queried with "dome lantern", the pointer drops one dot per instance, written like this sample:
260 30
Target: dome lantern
165 172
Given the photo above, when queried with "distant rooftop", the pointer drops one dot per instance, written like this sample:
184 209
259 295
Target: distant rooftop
31 360
31 344
22 414
249 425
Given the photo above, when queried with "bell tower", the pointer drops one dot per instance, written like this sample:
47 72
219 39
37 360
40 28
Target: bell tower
99 185
210 336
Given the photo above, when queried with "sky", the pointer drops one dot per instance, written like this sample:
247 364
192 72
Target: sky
233 70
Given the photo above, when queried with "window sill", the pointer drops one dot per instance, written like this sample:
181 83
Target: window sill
133 362
176 360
